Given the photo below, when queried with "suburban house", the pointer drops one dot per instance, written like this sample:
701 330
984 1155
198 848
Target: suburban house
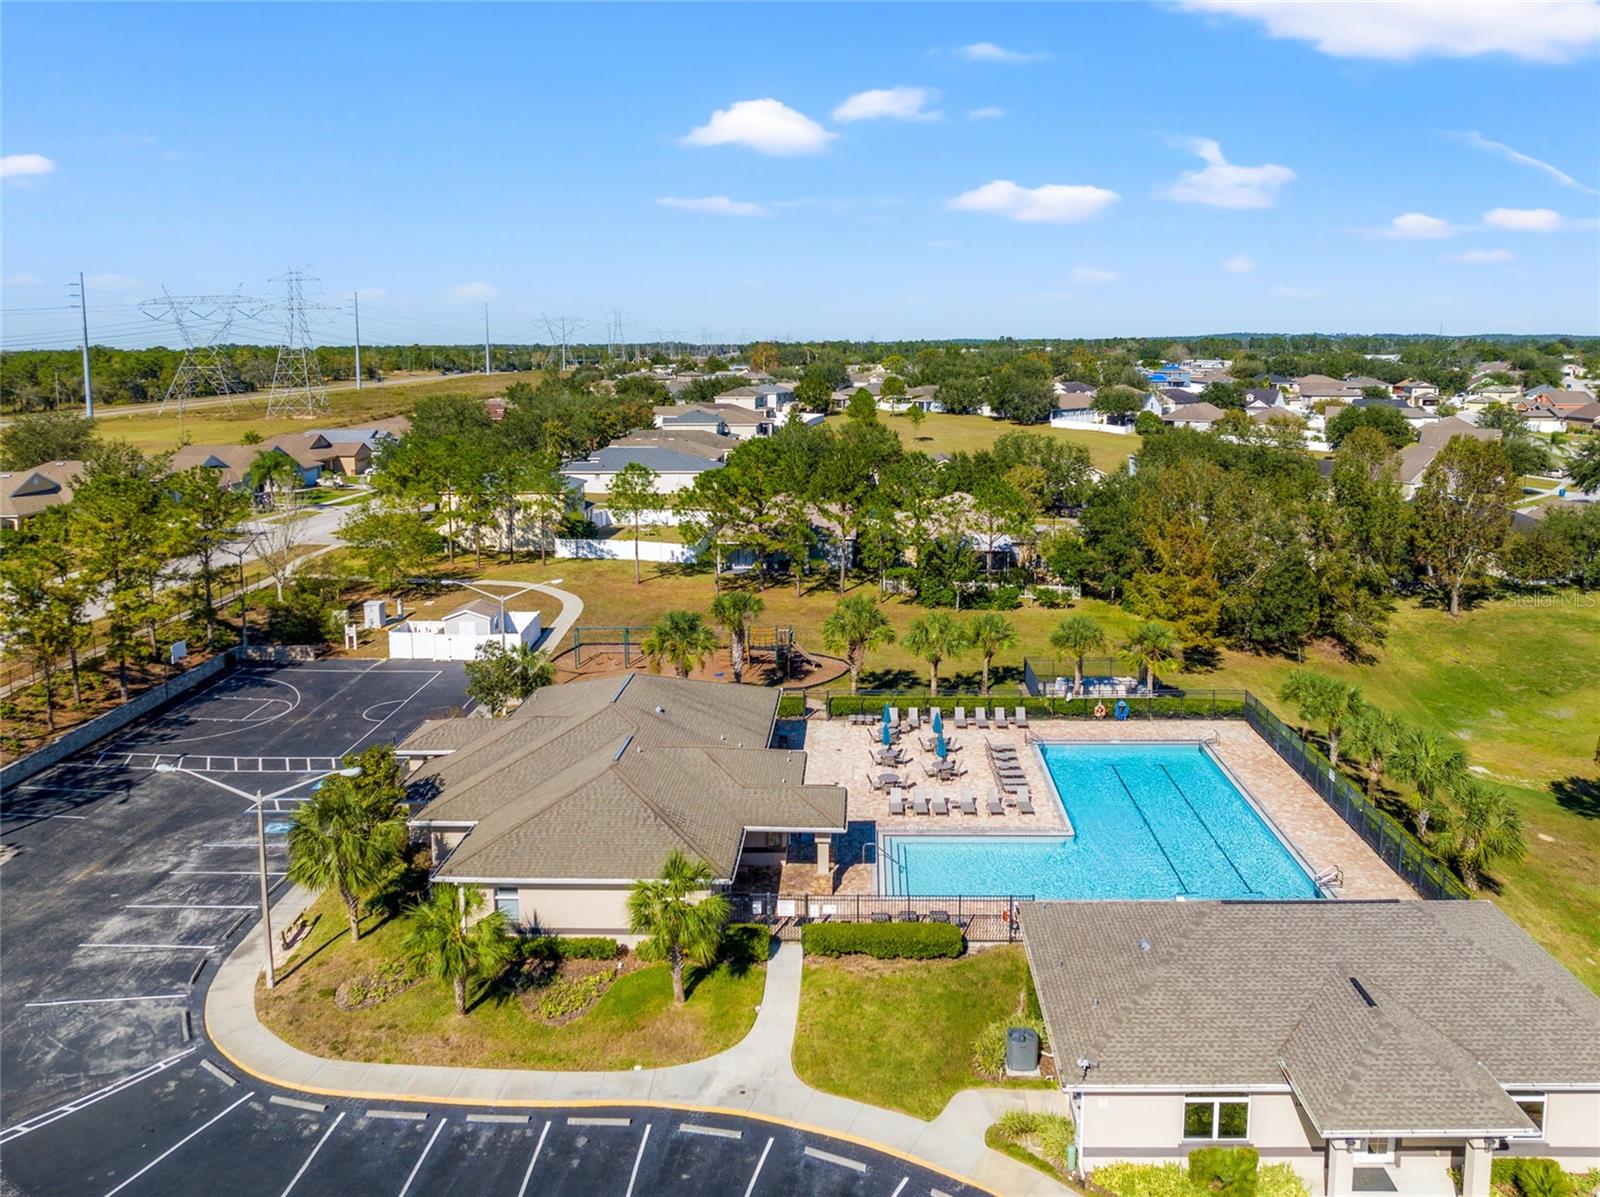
730 419
1585 418
674 468
558 809
1075 408
922 397
767 398
1319 388
1493 392
1416 392
1546 408
351 450
1372 1045
712 446
1265 397
25 493
1199 416
459 635
1415 459
232 462
1170 376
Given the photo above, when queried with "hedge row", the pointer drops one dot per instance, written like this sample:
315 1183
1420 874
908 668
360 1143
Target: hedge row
886 941
571 947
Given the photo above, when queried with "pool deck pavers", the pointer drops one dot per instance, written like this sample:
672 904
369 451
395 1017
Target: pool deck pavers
839 754
755 1077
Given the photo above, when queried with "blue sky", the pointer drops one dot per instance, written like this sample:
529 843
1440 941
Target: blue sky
810 171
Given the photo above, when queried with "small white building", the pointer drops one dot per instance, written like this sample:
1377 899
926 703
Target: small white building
460 634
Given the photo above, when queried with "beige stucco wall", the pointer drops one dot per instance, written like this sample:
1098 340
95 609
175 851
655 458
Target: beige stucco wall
1571 1132
576 909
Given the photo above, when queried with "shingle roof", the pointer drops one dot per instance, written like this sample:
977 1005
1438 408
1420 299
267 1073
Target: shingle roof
601 779
1231 993
710 445
447 735
1194 413
28 492
613 458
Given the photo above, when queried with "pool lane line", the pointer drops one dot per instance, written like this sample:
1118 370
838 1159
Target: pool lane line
1157 839
1249 889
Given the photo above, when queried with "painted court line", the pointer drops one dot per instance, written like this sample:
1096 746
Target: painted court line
145 997
633 1176
720 1132
88 1099
756 1175
202 1127
537 1148
817 1153
313 1155
417 1167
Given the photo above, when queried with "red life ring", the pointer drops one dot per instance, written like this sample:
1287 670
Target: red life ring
1099 710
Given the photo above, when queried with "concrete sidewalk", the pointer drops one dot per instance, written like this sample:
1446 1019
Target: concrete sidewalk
754 1077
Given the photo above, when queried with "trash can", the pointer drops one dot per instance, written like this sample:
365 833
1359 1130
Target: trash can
1022 1050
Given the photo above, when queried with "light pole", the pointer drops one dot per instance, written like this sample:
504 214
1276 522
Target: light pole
244 593
260 800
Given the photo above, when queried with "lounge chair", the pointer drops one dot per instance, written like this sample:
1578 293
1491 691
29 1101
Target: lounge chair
880 916
919 801
1000 716
1021 717
996 806
940 806
938 916
969 804
908 916
983 719
961 717
894 716
897 804
914 719
1024 802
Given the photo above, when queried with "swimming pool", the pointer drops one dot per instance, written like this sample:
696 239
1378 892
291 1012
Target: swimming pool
1151 821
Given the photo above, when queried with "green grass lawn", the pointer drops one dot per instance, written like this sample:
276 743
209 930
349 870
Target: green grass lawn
941 433
898 1033
634 1023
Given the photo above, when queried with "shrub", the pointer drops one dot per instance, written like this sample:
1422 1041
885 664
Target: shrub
569 995
1280 1180
1533 1176
1038 1139
792 706
744 944
989 1048
1147 1180
1049 599
885 941
1230 1171
571 947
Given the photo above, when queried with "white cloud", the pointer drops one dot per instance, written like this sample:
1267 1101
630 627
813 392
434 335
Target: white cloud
714 205
1479 141
1542 30
1090 274
1484 257
1239 264
1418 226
22 166
1052 202
1224 185
111 282
1297 292
766 126
473 292
987 113
989 52
20 280
895 103
1523 220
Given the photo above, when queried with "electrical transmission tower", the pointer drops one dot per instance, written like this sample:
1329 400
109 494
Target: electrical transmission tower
297 385
202 322
560 329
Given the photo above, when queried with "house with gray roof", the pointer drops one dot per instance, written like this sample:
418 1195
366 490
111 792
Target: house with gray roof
675 469
557 810
25 493
1415 459
1370 1045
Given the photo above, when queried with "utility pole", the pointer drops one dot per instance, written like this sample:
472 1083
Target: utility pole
355 298
88 391
487 368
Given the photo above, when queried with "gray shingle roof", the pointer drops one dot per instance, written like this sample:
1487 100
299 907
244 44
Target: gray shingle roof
613 458
1232 993
601 779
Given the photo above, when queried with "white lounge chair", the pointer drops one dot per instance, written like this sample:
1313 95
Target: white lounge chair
996 806
940 806
1021 717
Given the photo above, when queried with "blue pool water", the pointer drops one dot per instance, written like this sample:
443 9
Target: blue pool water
1152 821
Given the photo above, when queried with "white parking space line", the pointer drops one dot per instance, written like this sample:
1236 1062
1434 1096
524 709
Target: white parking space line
599 1121
417 1167
633 1176
144 997
515 1119
720 1132
900 1188
88 1099
225 872
296 1180
756 1175
152 947
399 1115
817 1153
537 1148
197 1130
182 906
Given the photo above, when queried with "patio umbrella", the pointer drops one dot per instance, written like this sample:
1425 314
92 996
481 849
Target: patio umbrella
887 736
886 714
938 721
939 746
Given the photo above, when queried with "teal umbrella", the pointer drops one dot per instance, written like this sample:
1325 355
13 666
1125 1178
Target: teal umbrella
888 736
939 746
938 721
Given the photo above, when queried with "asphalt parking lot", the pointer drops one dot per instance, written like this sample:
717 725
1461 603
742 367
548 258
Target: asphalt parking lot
123 887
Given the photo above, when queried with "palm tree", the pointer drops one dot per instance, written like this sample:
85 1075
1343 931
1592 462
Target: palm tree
1484 827
856 626
1321 699
1079 635
1153 645
444 938
681 914
680 638
935 638
991 633
349 833
1372 735
1431 764
273 469
734 611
